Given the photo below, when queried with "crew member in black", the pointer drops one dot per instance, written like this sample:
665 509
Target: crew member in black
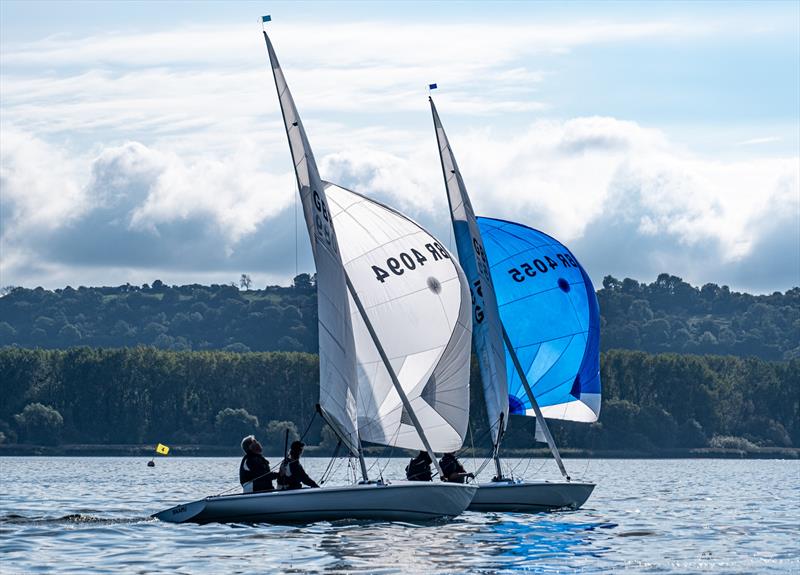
254 472
291 474
419 468
452 469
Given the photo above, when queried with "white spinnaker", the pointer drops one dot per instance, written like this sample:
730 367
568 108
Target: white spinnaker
420 310
487 331
338 385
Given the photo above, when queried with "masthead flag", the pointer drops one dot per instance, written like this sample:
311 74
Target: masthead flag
432 86
162 449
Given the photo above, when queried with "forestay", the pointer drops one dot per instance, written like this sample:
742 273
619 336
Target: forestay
417 301
486 327
337 355
549 308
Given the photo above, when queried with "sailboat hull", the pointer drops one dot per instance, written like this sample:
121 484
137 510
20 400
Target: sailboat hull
530 496
402 501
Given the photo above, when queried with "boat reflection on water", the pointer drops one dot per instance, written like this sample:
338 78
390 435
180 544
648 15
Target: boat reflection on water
474 541
539 537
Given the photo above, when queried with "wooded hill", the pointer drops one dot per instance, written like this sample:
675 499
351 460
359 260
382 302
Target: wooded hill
668 315
145 395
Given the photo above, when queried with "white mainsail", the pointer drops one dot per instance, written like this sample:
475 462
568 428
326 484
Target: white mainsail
338 385
487 332
414 295
416 299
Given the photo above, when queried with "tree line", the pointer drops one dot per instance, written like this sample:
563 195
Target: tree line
667 315
146 395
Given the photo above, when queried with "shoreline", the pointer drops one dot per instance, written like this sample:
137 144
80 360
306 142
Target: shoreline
148 451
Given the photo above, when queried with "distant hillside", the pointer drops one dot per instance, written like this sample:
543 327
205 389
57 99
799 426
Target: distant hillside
144 395
671 315
668 315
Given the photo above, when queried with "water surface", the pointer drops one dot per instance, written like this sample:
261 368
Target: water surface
91 515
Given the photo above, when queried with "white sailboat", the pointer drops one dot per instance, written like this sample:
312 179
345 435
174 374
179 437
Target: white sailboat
555 349
394 343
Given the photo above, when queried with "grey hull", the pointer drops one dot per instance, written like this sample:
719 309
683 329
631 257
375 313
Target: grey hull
402 501
530 496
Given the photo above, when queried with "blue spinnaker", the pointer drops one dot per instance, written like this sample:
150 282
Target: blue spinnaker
549 309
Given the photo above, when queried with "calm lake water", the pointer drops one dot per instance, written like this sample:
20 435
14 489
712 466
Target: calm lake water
91 515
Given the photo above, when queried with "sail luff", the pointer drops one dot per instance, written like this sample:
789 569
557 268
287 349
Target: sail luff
486 334
337 357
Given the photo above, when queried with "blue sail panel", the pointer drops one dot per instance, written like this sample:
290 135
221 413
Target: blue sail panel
548 306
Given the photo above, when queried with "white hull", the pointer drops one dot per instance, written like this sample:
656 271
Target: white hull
402 501
530 496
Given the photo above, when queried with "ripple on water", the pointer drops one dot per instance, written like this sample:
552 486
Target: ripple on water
643 516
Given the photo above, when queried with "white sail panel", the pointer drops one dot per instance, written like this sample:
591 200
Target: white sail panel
337 357
416 298
486 326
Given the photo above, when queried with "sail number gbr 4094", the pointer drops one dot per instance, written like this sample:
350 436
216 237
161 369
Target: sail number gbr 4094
410 260
530 269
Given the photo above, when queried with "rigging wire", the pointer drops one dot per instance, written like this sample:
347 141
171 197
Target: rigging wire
308 427
391 451
324 477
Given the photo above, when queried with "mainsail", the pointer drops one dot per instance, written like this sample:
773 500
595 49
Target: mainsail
487 331
382 282
416 299
549 309
338 386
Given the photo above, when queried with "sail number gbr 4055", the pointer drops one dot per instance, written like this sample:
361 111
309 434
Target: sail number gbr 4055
530 269
410 260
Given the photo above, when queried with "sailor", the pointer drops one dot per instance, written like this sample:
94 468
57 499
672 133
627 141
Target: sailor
291 474
419 468
452 470
254 471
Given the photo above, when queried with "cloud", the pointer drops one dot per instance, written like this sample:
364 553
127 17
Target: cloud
39 184
127 156
758 141
215 79
627 200
139 208
623 197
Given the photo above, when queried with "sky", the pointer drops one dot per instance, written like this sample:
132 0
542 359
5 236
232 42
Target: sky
143 140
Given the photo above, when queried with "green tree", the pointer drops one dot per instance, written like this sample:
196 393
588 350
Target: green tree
275 435
302 281
233 424
40 424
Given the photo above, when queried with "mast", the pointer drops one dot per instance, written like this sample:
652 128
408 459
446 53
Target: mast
496 450
486 336
539 417
338 376
396 382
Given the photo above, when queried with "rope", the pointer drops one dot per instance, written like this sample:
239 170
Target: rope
308 427
483 465
323 479
391 451
472 444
